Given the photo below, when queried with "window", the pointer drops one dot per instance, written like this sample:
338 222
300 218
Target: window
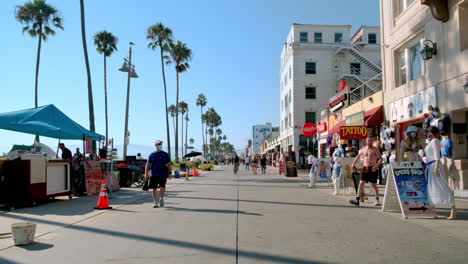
289 72
372 38
338 37
290 120
410 62
416 62
402 67
318 37
355 68
310 117
286 123
304 36
310 68
403 5
290 96
310 93
463 24
286 100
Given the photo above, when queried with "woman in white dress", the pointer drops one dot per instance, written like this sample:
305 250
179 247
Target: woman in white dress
438 190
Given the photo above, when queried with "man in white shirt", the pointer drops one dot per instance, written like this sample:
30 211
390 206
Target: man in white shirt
311 159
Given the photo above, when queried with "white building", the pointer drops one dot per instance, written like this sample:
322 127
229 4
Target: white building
259 134
410 80
314 60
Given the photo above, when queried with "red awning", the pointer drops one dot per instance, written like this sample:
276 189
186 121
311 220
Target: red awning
374 117
336 128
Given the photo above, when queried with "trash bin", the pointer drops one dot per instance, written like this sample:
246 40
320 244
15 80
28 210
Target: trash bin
23 233
177 174
291 170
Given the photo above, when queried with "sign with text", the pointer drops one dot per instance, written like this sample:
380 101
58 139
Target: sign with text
410 186
322 127
356 119
340 97
309 129
353 132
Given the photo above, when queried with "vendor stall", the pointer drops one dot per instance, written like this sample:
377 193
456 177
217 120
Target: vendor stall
31 176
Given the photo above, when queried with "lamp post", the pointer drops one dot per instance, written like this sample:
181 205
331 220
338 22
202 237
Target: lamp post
130 69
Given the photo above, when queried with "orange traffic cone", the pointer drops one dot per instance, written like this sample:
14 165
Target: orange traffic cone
195 172
103 201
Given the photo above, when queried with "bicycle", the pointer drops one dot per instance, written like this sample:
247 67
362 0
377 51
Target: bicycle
236 168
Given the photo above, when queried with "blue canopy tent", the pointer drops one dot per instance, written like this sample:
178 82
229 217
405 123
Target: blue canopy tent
47 121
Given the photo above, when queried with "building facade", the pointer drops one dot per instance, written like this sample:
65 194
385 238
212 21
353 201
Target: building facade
316 62
260 133
414 83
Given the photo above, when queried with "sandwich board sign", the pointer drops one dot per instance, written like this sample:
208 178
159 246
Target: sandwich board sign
406 190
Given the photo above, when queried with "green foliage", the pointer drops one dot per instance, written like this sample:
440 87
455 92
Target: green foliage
38 18
106 43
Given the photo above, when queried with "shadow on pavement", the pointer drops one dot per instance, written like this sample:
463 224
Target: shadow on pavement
173 242
211 211
37 246
7 261
248 185
277 203
462 214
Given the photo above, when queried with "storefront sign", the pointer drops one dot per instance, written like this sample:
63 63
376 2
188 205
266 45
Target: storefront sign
322 127
409 186
356 119
353 132
340 98
309 129
88 145
413 106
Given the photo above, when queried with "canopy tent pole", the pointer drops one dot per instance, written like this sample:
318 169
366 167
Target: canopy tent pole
58 146
84 148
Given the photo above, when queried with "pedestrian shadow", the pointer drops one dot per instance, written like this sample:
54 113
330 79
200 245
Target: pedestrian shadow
211 211
248 254
247 185
37 246
462 214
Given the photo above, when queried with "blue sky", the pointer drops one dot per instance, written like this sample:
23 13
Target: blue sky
236 47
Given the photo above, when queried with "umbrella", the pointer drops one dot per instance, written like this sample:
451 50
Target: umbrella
192 154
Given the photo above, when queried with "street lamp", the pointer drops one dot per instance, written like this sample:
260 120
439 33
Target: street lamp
466 85
129 68
429 50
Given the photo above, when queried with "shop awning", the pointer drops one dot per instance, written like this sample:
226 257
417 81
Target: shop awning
47 121
336 128
374 117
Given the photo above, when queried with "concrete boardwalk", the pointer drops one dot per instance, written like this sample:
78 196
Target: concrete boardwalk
223 218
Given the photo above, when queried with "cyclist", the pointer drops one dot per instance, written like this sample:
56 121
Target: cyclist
236 163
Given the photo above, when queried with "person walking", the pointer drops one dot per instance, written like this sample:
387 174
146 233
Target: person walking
247 163
438 190
263 164
160 165
371 163
254 164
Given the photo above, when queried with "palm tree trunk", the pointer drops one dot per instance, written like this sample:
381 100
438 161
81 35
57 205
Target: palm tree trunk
186 135
36 91
88 72
165 100
105 100
202 130
182 138
173 124
177 119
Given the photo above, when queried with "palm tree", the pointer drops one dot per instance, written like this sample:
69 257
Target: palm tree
106 44
160 36
224 138
183 108
192 141
88 73
180 55
172 111
201 101
37 18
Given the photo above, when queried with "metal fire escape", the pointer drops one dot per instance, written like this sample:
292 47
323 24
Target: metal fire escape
361 85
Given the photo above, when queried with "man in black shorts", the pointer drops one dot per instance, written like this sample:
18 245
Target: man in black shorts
160 165
371 163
